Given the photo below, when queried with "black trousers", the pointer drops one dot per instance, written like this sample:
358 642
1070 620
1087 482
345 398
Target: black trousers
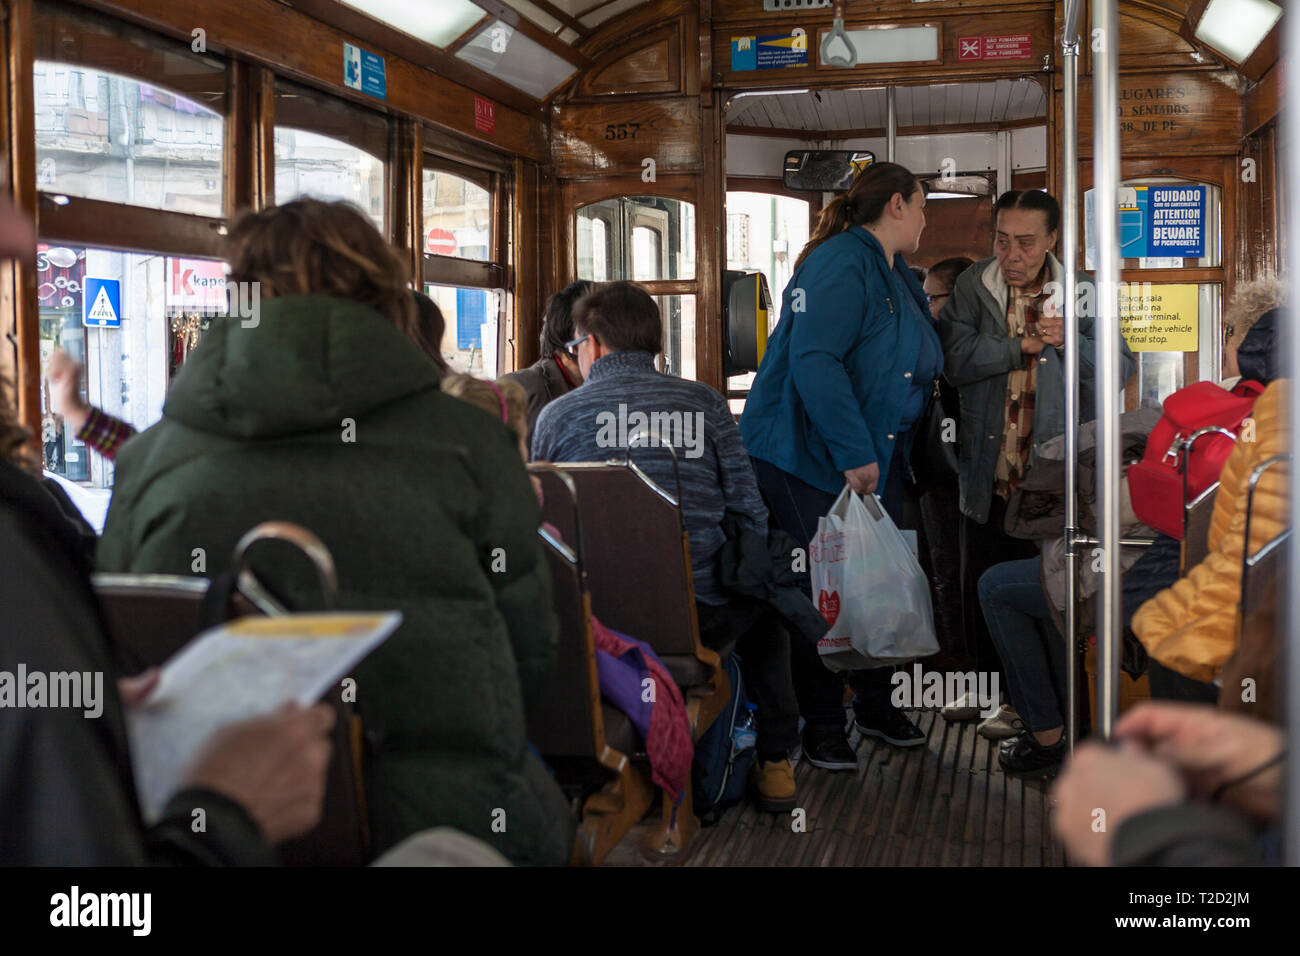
764 648
982 546
796 506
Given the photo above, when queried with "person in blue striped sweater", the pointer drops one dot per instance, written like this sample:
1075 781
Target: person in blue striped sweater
619 331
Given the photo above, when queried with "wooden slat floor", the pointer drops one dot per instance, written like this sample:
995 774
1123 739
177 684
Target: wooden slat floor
945 804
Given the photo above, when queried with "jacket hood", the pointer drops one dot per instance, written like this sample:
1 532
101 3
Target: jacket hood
308 363
1257 357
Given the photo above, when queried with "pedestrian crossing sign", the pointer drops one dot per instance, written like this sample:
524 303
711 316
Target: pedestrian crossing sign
102 303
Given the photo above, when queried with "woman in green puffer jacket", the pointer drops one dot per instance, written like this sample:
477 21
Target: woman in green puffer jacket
320 410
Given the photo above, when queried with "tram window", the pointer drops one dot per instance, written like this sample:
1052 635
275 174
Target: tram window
308 164
765 233
471 324
678 315
162 305
647 254
644 238
104 136
328 149
457 216
1160 374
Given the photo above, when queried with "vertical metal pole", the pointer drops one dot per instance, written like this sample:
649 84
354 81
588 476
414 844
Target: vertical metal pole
1291 644
891 124
1105 152
1069 259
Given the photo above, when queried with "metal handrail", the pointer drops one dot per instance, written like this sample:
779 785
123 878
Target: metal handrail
1249 560
1070 262
649 433
312 546
544 467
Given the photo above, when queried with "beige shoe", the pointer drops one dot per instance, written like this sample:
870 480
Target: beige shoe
774 786
1006 723
965 707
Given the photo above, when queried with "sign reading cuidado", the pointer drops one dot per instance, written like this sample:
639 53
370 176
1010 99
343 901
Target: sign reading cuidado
1159 318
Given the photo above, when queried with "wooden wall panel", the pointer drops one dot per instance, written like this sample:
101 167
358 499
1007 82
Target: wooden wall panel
1258 219
615 137
1263 100
1149 41
1169 114
653 64
21 361
955 227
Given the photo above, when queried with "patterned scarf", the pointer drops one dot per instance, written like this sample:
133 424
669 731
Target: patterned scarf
1024 308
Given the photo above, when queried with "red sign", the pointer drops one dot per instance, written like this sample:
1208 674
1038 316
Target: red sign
1016 47
440 242
485 115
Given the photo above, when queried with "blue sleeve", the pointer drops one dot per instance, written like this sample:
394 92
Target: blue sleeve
834 298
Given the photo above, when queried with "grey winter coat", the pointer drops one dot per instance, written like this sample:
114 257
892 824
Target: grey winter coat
978 355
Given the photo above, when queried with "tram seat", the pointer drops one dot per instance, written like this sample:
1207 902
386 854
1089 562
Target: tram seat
1196 529
636 554
586 742
151 616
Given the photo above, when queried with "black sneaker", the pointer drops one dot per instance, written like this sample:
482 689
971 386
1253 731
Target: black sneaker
891 727
1023 756
828 749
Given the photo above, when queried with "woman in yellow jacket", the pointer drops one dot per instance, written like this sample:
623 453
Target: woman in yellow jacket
1193 627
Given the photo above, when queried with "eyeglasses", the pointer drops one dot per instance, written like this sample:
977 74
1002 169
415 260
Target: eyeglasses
932 299
572 347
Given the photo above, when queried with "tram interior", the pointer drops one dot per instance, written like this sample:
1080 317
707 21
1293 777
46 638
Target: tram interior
506 149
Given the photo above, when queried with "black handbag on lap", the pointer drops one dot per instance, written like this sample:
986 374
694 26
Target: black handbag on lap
933 459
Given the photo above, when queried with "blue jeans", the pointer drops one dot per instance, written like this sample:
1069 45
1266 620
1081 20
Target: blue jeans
1031 648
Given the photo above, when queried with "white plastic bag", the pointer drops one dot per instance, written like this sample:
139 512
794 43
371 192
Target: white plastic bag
870 589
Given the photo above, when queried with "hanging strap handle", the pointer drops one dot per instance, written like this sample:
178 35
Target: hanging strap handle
837 31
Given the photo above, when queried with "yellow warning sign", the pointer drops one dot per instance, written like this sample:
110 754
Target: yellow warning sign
1159 318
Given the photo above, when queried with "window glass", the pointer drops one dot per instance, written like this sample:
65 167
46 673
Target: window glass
329 149
457 216
645 238
109 137
471 320
309 164
156 309
678 315
765 233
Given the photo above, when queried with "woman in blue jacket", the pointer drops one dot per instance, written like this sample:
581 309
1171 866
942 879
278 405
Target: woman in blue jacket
844 377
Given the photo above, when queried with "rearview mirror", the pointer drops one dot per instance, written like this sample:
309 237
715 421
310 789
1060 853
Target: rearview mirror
824 170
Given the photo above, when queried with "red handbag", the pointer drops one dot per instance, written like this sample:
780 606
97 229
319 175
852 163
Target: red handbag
1156 484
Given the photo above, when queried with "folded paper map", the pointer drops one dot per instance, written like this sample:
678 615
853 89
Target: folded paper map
243 669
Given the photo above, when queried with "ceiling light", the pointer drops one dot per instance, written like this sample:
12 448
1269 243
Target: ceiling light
438 23
1237 27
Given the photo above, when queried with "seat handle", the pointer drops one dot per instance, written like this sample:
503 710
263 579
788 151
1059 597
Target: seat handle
305 541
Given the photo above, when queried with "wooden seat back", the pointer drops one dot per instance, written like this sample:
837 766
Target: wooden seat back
1196 529
635 553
